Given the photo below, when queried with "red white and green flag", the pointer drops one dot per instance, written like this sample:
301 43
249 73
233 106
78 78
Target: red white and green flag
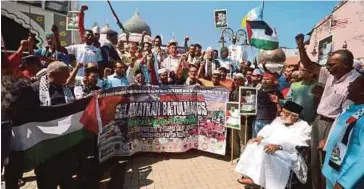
261 35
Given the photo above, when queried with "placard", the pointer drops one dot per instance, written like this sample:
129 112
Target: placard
325 48
248 99
220 18
233 117
72 21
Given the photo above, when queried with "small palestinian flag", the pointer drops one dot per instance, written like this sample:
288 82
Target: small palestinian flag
261 36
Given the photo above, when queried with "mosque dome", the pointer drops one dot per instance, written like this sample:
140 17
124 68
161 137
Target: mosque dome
105 29
137 25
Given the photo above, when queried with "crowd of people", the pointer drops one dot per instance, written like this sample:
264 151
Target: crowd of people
318 107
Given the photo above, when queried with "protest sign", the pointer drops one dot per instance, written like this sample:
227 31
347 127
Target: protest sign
248 100
233 115
220 18
72 21
162 119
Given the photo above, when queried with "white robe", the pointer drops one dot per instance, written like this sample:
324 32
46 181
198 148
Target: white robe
272 171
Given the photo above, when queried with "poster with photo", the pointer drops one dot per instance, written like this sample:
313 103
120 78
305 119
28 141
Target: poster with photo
232 115
248 100
325 47
220 18
72 21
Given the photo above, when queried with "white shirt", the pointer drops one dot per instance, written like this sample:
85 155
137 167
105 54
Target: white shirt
170 63
334 98
85 54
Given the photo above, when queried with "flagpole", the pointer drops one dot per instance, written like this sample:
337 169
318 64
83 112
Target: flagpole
262 8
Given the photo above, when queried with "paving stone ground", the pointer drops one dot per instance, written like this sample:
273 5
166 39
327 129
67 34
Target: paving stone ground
190 170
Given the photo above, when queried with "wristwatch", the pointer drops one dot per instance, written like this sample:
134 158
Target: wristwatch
280 147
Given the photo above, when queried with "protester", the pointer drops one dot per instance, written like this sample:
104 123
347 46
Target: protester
172 62
248 76
49 90
192 76
163 77
81 28
54 50
234 97
336 76
90 81
109 50
268 159
301 93
199 55
208 65
31 66
228 83
86 53
146 65
345 148
121 76
256 78
268 96
225 61
191 56
139 78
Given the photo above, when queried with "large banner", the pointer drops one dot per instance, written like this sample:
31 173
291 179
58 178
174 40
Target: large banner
162 119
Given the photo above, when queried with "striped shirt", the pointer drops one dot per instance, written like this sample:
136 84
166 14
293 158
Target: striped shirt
334 98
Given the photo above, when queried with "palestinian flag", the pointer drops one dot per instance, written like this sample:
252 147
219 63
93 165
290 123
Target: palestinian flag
261 36
43 132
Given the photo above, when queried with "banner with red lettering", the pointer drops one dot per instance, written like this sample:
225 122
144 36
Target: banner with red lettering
161 119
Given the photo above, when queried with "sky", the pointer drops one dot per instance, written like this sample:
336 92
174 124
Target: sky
195 19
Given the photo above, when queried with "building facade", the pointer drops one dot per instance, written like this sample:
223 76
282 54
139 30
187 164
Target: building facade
343 28
21 17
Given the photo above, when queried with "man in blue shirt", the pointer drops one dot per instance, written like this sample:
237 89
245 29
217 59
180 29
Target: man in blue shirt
119 78
343 167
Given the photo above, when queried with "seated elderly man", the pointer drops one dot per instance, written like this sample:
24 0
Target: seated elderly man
269 158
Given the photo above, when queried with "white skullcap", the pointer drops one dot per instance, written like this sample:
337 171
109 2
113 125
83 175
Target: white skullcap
239 76
96 29
162 70
209 49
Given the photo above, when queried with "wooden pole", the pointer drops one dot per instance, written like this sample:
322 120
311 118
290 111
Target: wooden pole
246 130
232 146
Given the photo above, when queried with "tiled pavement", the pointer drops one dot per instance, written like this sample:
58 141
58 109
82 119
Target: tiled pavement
190 170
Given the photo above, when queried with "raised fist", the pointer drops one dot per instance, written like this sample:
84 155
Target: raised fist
55 29
84 8
144 33
299 39
107 72
24 43
187 38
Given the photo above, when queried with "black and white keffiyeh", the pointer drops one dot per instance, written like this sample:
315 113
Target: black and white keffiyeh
44 95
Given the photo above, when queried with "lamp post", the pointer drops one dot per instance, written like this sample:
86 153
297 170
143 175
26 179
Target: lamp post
233 37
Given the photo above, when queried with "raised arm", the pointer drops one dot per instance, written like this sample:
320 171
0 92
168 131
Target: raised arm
71 79
185 46
81 22
305 60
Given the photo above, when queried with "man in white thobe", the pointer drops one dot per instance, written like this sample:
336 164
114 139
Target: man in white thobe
269 158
